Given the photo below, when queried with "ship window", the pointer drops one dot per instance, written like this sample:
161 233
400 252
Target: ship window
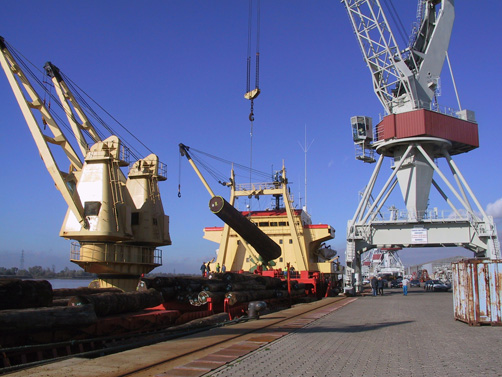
280 242
263 223
135 218
280 259
290 240
91 208
282 223
273 223
247 259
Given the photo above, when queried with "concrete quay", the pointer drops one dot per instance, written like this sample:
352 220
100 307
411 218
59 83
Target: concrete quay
389 335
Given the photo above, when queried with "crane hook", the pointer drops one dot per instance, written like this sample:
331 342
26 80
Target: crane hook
251 114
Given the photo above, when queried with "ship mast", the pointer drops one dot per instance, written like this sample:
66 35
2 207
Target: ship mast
305 149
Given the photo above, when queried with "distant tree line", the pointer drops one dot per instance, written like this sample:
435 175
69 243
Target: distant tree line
38 272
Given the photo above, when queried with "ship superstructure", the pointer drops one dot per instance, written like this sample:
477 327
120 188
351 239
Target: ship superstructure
301 242
270 242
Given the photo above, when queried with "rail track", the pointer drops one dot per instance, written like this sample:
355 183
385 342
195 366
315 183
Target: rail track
196 351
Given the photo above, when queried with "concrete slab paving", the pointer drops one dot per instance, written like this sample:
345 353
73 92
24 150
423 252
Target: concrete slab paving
390 335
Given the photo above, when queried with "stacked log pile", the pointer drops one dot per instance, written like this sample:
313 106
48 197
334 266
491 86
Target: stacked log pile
62 296
237 288
33 304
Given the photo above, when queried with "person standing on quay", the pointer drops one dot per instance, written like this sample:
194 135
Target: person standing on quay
373 282
380 286
405 286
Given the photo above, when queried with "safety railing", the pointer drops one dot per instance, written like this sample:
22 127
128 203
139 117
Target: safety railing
115 253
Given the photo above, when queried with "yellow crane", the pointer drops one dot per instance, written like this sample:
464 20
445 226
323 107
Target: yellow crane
117 221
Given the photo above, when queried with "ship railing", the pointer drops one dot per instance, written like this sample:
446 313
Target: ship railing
115 253
257 186
429 215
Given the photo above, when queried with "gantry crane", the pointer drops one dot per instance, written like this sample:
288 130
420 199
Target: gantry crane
414 133
118 221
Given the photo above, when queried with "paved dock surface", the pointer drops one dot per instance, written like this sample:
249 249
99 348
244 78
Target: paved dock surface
390 335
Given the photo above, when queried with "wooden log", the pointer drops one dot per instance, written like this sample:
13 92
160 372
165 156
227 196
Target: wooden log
160 282
294 284
214 286
236 297
285 293
22 294
216 297
246 296
262 243
235 277
168 293
249 285
45 318
66 292
270 282
61 301
115 303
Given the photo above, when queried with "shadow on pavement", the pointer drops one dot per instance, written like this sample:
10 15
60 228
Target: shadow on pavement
349 329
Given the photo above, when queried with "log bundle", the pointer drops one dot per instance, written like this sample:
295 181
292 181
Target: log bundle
67 292
46 318
236 287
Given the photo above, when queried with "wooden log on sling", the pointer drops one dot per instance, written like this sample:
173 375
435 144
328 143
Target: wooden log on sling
116 303
46 318
262 243
22 294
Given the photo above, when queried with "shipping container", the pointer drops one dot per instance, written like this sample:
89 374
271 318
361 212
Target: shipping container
461 133
477 291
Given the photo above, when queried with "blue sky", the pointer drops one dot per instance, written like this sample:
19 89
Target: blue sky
174 71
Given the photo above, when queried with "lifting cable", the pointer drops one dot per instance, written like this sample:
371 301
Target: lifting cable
73 86
25 64
46 86
218 176
252 94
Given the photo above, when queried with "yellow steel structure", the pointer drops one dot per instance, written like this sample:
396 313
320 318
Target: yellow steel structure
292 229
117 220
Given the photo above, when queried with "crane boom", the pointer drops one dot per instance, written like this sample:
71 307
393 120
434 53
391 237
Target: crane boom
66 97
403 80
116 220
32 106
